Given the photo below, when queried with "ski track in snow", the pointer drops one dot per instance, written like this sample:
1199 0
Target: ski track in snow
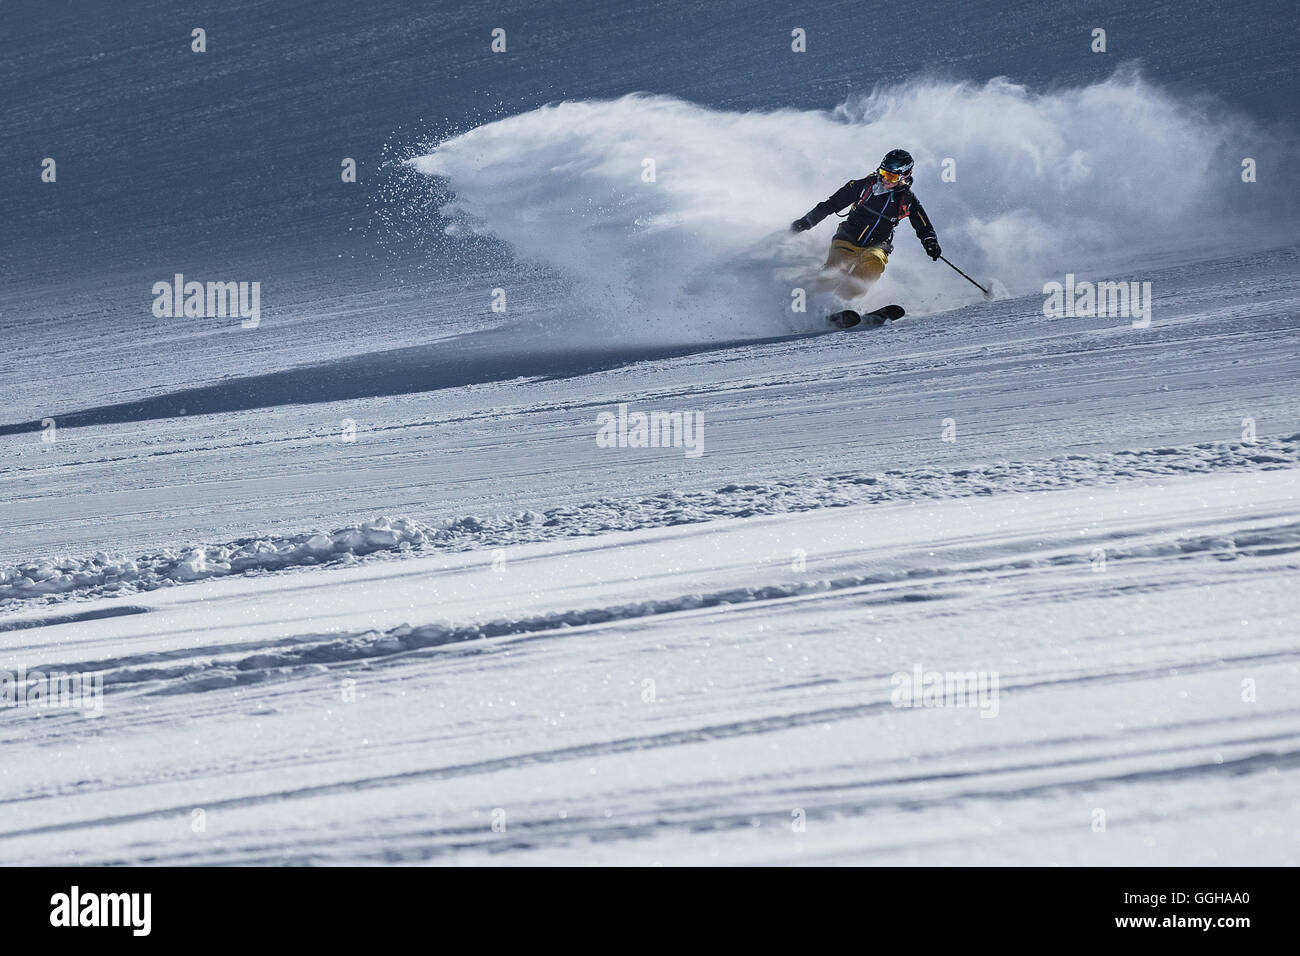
305 655
101 574
781 676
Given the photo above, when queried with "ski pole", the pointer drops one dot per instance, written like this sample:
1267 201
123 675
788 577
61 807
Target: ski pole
987 293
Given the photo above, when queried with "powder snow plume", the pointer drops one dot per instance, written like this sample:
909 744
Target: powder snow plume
1039 183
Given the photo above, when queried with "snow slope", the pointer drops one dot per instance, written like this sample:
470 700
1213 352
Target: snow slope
693 691
503 421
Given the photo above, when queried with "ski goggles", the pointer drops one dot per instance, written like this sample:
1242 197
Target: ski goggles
889 177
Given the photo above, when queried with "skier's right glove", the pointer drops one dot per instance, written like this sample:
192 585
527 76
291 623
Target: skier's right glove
800 225
932 249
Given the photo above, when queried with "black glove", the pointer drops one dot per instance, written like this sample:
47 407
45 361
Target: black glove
932 247
800 225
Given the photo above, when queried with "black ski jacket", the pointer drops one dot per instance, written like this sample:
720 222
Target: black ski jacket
874 217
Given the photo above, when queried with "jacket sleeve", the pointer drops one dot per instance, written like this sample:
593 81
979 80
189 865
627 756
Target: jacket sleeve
920 220
844 196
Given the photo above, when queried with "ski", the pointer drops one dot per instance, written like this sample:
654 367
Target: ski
847 319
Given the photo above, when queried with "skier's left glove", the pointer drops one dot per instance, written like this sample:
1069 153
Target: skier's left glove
932 247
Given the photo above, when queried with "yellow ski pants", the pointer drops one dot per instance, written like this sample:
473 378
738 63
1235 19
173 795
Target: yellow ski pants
850 270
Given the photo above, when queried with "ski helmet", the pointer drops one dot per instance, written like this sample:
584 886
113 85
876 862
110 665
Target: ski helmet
896 168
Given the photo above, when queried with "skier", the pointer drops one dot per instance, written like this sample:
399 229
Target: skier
863 242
